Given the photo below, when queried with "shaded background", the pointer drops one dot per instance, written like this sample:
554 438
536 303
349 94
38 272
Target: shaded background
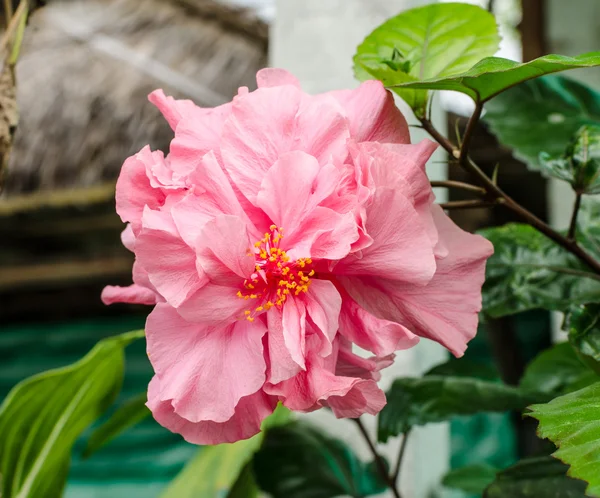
84 73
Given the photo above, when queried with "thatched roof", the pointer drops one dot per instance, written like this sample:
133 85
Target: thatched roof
87 67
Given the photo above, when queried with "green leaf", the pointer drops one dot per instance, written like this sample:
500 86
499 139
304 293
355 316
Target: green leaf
580 164
461 367
542 477
571 423
529 271
555 371
584 333
472 479
427 42
222 470
494 75
127 415
419 401
542 115
299 461
43 415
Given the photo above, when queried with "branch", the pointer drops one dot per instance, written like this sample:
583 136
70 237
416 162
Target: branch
573 225
470 204
381 466
396 473
458 185
495 192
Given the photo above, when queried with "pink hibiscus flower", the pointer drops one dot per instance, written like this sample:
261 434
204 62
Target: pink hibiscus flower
281 230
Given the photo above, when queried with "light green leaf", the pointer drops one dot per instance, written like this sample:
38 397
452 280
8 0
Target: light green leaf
127 415
580 164
420 401
472 479
42 416
494 75
542 477
299 461
556 370
542 115
222 469
529 271
427 42
571 423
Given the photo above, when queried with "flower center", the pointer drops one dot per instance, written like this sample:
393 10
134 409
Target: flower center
276 276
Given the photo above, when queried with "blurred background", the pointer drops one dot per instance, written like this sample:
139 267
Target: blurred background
85 69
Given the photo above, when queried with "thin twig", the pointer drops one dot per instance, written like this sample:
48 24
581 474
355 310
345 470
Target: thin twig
381 466
573 224
12 26
458 185
470 204
396 473
496 192
8 11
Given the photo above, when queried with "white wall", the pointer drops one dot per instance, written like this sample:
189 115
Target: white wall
316 39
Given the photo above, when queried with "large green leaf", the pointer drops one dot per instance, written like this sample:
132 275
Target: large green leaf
528 271
472 479
580 164
427 42
223 470
419 401
542 115
556 370
126 416
542 477
493 75
299 461
571 422
42 416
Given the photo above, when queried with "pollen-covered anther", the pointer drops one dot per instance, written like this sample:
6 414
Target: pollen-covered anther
276 276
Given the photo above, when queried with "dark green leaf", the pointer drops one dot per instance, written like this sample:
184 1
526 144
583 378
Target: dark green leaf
470 479
127 415
580 164
427 42
584 333
222 470
528 271
571 423
555 370
299 461
493 75
542 477
245 486
542 115
419 401
461 367
42 416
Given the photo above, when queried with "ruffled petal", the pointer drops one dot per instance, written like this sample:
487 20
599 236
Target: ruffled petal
270 76
401 248
213 305
323 303
205 371
173 110
281 364
372 114
133 294
245 423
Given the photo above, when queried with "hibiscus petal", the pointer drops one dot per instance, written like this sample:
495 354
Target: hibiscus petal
372 114
381 337
224 250
134 294
294 329
171 109
271 76
245 423
281 364
168 260
133 191
401 248
214 305
323 303
205 371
